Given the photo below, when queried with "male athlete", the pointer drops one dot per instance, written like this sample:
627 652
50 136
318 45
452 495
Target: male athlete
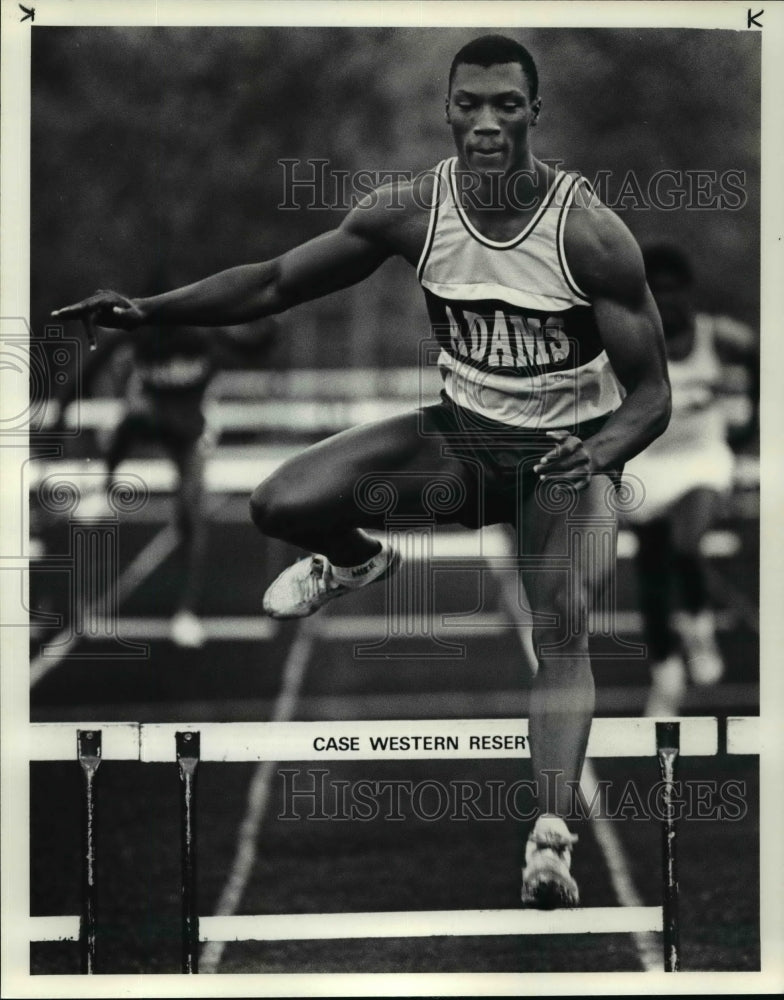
684 472
554 371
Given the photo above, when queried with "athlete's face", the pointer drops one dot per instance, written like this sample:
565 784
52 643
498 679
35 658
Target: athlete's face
674 300
490 111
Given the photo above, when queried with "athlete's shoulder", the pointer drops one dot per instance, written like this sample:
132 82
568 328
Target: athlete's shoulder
394 214
603 256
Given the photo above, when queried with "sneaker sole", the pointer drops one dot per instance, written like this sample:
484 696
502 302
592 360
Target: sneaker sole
307 612
549 895
550 890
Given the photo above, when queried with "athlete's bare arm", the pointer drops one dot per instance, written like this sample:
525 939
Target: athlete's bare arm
607 264
383 225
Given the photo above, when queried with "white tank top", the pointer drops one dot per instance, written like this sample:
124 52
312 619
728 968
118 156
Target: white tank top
517 339
697 419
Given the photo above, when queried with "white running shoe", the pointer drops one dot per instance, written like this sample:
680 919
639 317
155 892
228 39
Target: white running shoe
310 583
703 658
187 631
547 881
668 687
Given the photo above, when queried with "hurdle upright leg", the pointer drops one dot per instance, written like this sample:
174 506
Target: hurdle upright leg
88 743
668 750
188 752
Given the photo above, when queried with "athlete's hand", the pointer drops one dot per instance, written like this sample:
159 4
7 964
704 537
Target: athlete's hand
105 308
570 459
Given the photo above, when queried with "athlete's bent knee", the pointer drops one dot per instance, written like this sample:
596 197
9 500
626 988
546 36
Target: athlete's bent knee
278 511
269 510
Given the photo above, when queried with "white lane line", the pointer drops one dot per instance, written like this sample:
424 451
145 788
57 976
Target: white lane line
647 944
145 563
258 797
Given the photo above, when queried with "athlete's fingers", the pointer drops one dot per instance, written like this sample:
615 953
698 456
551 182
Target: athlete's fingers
567 445
567 463
578 478
101 301
77 310
89 329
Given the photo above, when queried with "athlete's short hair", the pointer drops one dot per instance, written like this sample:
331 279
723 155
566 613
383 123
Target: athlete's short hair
492 49
668 258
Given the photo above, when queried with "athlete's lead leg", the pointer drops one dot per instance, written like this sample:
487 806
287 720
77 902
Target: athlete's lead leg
563 697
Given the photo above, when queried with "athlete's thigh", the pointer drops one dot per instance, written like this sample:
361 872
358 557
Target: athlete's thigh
691 516
132 427
573 533
389 463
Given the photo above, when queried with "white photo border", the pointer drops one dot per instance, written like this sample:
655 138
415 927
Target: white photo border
14 302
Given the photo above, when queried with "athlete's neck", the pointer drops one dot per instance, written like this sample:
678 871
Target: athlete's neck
516 190
500 205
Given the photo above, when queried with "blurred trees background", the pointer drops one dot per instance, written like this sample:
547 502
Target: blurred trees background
155 154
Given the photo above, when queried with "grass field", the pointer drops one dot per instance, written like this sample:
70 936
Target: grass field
339 864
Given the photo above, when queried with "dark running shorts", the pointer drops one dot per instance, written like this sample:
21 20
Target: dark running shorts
505 455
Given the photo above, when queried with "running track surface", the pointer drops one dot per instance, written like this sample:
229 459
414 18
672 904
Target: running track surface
253 861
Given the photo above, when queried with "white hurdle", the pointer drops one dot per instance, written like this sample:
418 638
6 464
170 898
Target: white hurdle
431 923
189 744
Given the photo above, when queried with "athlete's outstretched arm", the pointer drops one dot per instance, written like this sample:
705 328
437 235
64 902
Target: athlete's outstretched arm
335 260
607 264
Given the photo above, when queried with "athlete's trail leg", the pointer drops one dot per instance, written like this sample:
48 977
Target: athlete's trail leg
691 517
311 501
654 564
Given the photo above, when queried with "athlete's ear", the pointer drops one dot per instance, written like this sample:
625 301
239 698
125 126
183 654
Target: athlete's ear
446 110
536 107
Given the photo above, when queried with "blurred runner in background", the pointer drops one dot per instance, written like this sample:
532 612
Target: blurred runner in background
164 405
685 474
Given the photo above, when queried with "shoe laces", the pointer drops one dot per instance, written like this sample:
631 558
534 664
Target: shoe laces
319 579
560 843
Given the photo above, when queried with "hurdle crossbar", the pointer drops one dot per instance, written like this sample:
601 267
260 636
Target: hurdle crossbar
743 735
408 739
431 923
188 744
